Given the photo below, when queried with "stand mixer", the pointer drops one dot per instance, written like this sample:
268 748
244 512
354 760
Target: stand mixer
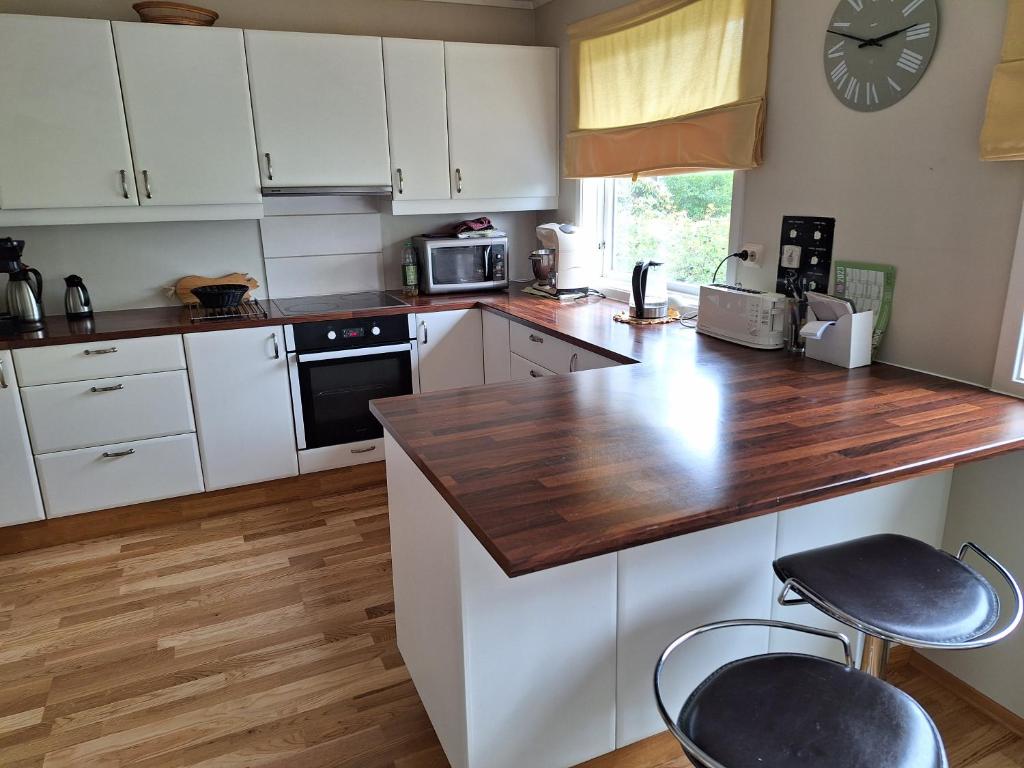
571 248
24 287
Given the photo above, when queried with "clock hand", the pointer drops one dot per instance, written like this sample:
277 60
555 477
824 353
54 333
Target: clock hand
877 40
863 41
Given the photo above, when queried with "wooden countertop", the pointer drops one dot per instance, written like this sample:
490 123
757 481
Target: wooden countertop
701 433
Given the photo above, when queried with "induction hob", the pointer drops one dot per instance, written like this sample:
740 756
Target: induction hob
338 302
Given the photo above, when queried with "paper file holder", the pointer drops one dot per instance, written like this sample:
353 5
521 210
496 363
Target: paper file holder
845 342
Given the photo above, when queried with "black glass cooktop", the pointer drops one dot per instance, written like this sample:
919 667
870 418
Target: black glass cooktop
338 302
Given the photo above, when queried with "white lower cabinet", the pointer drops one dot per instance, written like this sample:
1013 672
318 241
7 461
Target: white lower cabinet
242 399
19 500
522 369
451 352
496 348
115 475
585 360
78 414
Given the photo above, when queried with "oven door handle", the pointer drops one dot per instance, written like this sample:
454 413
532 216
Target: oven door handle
341 354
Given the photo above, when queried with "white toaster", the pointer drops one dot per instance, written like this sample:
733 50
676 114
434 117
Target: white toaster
751 318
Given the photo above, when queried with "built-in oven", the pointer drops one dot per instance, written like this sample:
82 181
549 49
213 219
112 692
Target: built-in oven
337 367
472 264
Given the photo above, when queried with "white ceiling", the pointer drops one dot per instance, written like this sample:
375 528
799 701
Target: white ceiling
524 4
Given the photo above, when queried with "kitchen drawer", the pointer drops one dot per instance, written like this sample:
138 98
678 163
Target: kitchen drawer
98 360
86 479
78 414
522 368
554 354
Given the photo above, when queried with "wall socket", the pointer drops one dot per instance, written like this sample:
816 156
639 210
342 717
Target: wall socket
756 254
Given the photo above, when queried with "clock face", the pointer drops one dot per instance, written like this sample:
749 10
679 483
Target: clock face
876 51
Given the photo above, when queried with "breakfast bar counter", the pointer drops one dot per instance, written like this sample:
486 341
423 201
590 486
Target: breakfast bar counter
551 536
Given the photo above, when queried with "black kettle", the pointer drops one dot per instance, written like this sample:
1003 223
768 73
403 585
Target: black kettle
77 304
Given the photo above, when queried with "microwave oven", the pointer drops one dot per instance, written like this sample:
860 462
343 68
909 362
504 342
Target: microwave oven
449 265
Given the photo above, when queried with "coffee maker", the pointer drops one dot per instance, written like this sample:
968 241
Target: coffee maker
24 286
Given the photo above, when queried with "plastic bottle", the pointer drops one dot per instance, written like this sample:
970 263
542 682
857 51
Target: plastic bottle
410 270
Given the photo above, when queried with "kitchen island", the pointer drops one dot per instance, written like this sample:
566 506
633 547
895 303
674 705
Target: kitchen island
550 537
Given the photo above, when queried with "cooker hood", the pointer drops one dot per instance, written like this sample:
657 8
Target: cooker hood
380 190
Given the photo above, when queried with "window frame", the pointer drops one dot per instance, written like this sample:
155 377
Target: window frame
1008 376
595 210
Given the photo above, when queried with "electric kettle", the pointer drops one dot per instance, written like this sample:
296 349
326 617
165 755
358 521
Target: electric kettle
77 304
649 297
25 297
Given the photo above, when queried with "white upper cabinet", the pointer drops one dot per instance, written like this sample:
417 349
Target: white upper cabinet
502 120
186 96
417 119
318 103
63 138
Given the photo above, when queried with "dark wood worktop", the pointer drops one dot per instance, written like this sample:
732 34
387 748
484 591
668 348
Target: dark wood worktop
703 433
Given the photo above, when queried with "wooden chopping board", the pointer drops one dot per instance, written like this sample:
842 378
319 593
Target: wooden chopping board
183 288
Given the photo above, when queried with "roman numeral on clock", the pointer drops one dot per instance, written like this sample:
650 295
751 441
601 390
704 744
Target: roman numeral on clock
836 50
920 31
912 6
909 60
858 5
839 72
852 90
870 94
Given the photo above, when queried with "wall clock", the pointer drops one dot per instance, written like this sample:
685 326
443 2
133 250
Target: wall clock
876 51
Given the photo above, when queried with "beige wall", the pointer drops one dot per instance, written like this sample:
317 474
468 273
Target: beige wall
905 185
393 18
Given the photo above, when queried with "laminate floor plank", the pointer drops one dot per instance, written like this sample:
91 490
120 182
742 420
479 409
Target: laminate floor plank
262 637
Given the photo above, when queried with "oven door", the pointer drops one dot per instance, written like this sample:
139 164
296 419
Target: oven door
331 391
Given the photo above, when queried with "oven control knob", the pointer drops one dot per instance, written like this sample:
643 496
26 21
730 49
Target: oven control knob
332 335
375 331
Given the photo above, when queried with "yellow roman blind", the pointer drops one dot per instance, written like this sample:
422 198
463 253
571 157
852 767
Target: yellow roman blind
1002 137
669 86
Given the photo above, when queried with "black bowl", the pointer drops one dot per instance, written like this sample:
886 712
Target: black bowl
220 296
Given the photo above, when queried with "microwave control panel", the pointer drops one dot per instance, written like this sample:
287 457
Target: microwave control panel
497 263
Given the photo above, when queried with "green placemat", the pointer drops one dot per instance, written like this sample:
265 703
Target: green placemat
868 286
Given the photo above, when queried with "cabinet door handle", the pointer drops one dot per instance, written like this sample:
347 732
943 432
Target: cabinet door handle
117 454
270 167
536 339
114 388
423 325
277 349
458 180
124 183
3 376
107 351
401 182
536 375
363 450
145 183
573 362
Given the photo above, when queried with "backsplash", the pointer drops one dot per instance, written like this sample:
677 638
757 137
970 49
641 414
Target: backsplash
313 246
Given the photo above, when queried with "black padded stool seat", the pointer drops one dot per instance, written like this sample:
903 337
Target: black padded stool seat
895 586
791 711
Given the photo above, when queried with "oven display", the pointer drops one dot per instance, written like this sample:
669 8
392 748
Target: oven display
353 333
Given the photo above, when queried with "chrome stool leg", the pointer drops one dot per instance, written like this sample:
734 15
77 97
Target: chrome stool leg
874 656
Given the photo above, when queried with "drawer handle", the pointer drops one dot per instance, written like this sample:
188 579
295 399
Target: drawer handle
107 351
423 325
114 388
118 454
536 375
270 167
573 361
535 338
3 376
277 348
363 450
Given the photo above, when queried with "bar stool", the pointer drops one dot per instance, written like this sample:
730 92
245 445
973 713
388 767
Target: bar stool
791 710
896 589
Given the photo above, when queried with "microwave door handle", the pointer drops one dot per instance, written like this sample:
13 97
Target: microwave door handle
488 267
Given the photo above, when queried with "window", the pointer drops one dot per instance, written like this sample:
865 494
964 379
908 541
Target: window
683 221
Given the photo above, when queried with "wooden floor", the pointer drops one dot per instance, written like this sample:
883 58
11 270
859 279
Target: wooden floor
261 637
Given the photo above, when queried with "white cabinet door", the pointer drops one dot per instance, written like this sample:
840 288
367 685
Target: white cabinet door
417 119
63 138
243 406
585 360
496 348
186 96
19 501
451 349
508 147
318 103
